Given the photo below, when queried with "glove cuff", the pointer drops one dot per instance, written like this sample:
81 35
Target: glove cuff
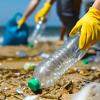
94 12
47 5
24 19
21 21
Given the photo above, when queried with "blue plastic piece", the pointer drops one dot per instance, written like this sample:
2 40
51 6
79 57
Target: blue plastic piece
14 36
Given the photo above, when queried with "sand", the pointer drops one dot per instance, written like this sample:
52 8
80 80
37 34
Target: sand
12 75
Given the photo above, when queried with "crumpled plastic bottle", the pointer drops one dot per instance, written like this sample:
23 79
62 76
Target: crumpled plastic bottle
50 70
32 40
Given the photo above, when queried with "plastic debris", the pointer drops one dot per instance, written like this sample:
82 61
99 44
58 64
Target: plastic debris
90 91
30 45
20 91
89 60
44 55
29 66
92 59
21 54
36 97
48 72
95 68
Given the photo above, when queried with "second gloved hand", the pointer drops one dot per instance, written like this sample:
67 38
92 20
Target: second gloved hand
89 27
21 22
43 12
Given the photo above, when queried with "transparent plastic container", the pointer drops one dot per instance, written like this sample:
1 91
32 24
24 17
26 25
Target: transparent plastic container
49 71
33 39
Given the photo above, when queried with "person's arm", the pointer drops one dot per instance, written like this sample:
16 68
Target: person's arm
44 10
50 1
89 27
97 4
31 7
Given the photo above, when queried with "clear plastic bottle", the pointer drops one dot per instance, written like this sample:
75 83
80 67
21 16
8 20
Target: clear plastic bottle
33 38
48 72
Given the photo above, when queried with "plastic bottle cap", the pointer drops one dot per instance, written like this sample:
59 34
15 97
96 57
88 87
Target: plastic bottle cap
34 85
30 45
85 61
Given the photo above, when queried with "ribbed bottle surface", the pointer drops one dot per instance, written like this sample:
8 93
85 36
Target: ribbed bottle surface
36 32
49 71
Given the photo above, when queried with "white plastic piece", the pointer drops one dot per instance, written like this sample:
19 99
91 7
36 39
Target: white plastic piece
44 55
89 92
19 90
21 54
36 97
29 66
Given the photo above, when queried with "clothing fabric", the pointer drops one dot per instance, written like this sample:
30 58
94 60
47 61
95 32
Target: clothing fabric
87 0
68 12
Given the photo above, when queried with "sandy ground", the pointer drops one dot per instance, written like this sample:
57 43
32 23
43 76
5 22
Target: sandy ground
13 76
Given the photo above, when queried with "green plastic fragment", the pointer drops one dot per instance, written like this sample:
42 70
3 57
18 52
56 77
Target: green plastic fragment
86 61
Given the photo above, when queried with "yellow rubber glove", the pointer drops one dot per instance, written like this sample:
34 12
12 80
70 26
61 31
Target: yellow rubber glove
43 12
21 22
89 27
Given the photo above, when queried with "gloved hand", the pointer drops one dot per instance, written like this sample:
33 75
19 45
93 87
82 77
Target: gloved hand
21 21
43 12
89 27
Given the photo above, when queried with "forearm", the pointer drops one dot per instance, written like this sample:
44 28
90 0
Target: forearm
50 1
97 4
33 4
